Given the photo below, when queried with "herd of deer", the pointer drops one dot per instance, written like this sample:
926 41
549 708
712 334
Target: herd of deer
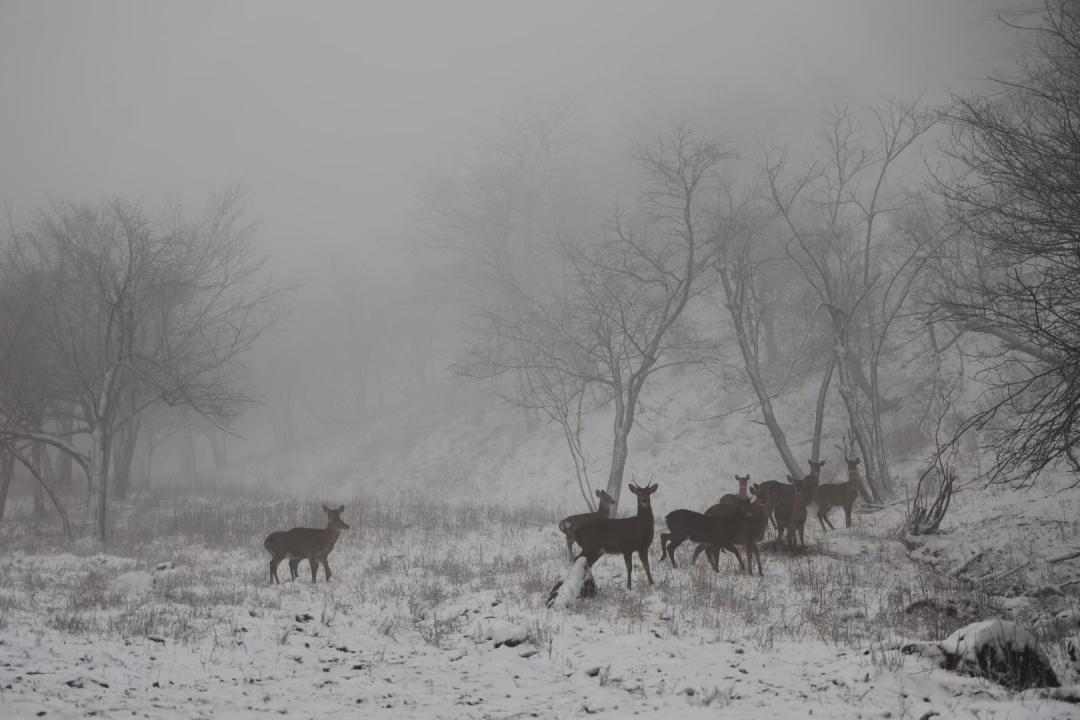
735 520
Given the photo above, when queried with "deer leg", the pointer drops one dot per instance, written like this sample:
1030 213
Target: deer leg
273 569
629 568
672 546
326 568
570 545
827 520
847 513
714 558
735 551
313 563
293 565
820 513
664 538
644 555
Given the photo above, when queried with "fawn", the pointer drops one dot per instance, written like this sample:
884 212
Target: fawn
790 511
569 525
838 495
621 536
313 544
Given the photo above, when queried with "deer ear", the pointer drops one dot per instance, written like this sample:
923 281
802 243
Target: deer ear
654 488
325 509
858 460
341 508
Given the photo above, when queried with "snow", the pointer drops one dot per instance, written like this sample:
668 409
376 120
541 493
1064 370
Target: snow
134 582
429 590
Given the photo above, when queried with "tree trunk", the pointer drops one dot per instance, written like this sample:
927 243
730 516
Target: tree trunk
39 457
871 491
99 474
7 469
63 480
125 441
750 365
619 452
819 412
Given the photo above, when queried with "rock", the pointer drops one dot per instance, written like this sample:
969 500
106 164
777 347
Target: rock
527 651
163 566
134 582
304 617
500 632
579 584
593 671
1000 650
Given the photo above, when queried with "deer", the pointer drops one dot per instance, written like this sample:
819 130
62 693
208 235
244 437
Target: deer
312 544
772 491
569 525
716 531
749 532
622 536
729 499
790 511
744 482
839 495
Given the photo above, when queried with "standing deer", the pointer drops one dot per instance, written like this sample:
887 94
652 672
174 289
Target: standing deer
790 511
717 531
729 499
312 544
772 492
569 525
622 536
749 531
838 495
744 482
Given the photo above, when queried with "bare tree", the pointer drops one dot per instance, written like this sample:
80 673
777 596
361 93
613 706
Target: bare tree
837 213
617 321
740 240
140 312
1010 185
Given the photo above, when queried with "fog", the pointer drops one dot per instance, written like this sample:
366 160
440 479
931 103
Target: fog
334 115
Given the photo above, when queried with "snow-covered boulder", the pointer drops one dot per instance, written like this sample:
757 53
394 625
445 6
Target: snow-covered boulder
134 582
579 583
500 632
1000 650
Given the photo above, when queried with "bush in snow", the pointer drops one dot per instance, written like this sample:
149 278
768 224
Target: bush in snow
998 649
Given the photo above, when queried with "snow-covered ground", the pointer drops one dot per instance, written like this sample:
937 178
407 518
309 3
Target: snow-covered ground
408 628
453 506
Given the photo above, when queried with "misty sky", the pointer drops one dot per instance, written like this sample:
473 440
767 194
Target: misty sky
330 112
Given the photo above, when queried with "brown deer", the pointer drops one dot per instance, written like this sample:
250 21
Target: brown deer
744 482
569 525
772 491
790 511
622 536
312 544
742 497
715 531
838 495
749 532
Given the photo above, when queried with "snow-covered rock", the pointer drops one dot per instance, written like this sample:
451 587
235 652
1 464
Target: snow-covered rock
134 582
1000 650
579 583
500 632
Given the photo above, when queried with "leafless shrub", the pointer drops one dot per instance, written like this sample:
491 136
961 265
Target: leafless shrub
923 518
72 622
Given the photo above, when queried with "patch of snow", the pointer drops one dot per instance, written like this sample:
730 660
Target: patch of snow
134 582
